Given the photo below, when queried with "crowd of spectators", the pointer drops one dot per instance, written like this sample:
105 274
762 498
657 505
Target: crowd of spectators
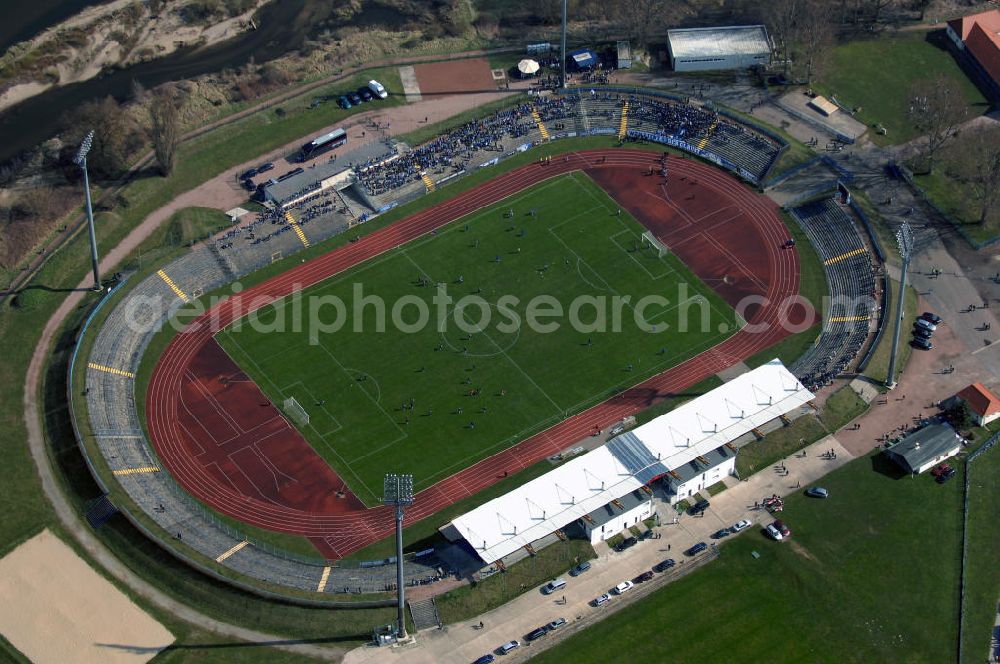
453 150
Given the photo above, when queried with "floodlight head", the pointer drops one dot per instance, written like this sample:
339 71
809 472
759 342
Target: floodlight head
81 153
398 489
904 238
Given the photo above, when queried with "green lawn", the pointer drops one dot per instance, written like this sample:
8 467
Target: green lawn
841 407
876 75
869 575
952 195
982 589
524 576
479 383
778 444
878 367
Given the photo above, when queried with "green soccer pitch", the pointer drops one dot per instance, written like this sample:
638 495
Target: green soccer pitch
476 386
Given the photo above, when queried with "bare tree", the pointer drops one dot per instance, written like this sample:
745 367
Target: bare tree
816 28
937 110
164 129
643 16
782 18
983 171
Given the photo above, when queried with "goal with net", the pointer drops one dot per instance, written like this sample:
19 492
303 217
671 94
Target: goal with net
649 240
296 412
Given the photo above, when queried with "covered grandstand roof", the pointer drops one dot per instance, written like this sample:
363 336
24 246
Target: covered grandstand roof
630 460
718 42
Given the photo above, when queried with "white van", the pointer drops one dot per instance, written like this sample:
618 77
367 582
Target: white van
554 585
377 89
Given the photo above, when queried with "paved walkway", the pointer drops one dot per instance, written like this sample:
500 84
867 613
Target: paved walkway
462 643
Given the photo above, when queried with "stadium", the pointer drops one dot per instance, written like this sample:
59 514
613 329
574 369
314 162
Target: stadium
274 431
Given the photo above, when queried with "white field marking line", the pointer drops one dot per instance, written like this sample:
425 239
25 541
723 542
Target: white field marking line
500 350
393 253
980 350
378 406
253 362
586 187
305 389
630 253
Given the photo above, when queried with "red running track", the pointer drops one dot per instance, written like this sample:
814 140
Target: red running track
225 444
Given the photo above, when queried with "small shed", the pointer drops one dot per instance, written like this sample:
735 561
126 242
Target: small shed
925 448
823 105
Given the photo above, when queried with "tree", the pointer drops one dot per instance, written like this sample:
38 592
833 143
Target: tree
164 116
815 25
642 16
116 136
937 110
983 171
781 18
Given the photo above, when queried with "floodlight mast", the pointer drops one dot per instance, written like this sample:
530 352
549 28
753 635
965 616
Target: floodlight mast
904 238
398 491
81 160
562 64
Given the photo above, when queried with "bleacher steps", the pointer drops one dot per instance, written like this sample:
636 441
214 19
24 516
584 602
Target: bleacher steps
424 613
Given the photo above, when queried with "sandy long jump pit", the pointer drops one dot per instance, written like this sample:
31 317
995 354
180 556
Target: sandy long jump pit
455 76
55 608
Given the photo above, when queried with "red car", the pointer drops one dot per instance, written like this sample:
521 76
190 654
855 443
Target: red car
782 528
941 470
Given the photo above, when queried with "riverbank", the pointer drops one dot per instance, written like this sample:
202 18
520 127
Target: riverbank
119 34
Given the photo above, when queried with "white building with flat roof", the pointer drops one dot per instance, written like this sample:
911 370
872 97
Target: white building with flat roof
731 47
689 448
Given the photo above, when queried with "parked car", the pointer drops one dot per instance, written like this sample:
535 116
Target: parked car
248 173
931 317
355 99
623 587
642 578
265 167
556 624
365 94
699 507
377 89
722 532
602 599
536 633
664 565
926 324
696 549
741 525
939 469
646 534
945 476
507 647
344 102
922 344
922 333
553 585
580 569
249 185
782 528
817 492
773 532
485 659
626 543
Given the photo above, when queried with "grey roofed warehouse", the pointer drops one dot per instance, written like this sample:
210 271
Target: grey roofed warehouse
732 47
925 447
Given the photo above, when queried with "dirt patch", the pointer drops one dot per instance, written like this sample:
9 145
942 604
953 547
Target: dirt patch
55 608
802 551
448 78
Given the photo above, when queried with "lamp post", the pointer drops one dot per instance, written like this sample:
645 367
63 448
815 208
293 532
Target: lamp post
562 65
398 491
904 238
81 160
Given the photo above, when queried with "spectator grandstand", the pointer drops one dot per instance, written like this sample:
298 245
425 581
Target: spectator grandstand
850 274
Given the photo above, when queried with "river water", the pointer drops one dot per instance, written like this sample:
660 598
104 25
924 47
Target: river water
283 26
23 19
